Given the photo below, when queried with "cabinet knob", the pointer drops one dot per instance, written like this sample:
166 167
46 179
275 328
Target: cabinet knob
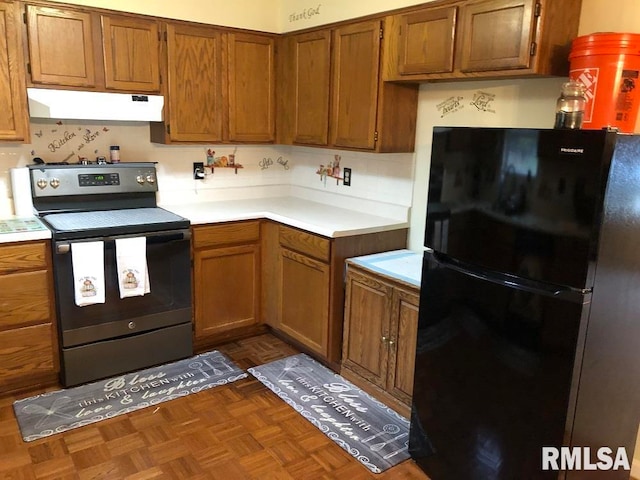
391 342
384 339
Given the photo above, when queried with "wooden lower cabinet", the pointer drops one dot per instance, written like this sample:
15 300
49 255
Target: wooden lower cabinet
304 309
303 284
226 269
380 328
28 335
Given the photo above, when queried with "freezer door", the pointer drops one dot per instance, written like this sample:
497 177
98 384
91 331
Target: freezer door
493 375
521 201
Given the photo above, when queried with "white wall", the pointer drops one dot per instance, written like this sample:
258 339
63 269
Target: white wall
263 15
299 14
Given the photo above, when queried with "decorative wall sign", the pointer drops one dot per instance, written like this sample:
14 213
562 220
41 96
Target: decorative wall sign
304 14
483 101
60 142
450 105
266 162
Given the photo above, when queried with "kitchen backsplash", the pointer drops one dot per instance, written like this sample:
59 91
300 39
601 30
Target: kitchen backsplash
267 170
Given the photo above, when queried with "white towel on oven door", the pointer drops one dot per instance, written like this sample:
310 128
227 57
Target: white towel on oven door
87 260
131 262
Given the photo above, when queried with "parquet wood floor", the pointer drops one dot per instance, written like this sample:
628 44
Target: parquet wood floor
233 432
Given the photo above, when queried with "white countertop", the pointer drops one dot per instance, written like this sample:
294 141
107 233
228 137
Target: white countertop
404 265
315 217
22 229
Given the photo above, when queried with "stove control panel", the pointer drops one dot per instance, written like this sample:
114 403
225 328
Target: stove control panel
70 180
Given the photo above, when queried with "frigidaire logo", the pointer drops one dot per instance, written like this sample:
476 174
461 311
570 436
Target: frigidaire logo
579 458
571 150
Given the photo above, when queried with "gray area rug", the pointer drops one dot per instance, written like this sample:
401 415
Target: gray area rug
56 412
366 428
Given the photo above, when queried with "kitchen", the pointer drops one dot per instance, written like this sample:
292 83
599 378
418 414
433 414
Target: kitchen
381 180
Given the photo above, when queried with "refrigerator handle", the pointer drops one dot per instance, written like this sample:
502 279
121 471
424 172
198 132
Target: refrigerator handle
574 295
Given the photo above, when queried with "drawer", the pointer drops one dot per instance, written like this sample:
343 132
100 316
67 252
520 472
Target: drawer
226 234
307 243
25 352
24 299
23 256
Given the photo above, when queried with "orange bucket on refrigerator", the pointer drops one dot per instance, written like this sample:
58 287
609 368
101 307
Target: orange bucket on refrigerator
608 64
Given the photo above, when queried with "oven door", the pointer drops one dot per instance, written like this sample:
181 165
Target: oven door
168 303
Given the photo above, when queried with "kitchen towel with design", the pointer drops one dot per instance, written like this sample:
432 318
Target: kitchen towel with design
131 262
87 259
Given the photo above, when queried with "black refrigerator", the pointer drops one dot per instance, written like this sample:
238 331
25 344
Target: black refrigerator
529 323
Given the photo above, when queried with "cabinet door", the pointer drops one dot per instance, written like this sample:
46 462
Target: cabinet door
61 46
366 334
14 123
131 53
194 60
356 56
304 309
404 331
227 289
312 78
251 74
426 41
26 356
497 35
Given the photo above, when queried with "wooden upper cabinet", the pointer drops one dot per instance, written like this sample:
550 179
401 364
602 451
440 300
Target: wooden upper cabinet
131 53
426 41
497 35
62 46
312 80
14 121
251 92
356 57
194 91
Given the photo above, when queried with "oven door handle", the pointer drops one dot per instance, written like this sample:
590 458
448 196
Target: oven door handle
165 236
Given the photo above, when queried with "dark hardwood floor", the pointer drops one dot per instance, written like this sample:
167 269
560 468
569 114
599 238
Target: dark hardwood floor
233 432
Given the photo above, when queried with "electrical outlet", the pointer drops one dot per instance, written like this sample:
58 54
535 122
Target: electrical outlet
198 170
346 177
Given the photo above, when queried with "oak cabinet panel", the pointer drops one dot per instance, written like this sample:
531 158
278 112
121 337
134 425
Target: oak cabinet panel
27 355
330 81
356 54
14 121
426 41
367 314
251 75
194 91
28 332
481 39
311 77
305 282
25 298
304 310
497 35
404 326
85 49
380 334
62 46
226 269
131 53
